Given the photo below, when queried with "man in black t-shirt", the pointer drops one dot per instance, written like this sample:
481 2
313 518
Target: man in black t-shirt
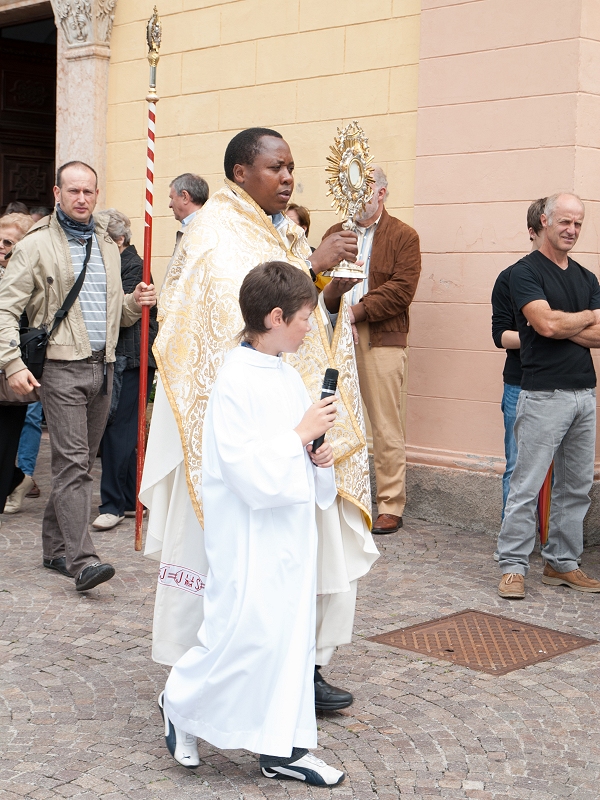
557 308
506 336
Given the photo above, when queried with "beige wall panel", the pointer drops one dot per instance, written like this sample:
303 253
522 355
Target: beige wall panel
493 227
587 172
310 141
200 113
193 30
517 72
219 67
519 123
361 94
590 19
202 152
132 10
499 24
451 374
229 65
404 88
462 426
128 42
244 21
376 44
589 66
302 55
188 5
262 106
588 114
318 14
126 121
464 326
493 177
461 277
128 196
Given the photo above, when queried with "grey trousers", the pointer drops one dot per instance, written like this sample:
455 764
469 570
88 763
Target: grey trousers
76 412
559 425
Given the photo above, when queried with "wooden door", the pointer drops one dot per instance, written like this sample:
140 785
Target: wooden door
27 122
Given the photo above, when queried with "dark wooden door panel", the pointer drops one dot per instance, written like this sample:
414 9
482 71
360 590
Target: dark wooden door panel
27 122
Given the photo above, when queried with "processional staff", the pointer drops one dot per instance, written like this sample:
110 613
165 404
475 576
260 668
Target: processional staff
153 34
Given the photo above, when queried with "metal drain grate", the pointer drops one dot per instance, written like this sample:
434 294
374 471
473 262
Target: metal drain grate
485 642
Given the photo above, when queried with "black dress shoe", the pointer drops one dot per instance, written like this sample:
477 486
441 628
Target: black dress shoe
92 575
330 698
59 564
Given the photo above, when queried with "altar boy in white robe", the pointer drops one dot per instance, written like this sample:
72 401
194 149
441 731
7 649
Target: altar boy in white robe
249 683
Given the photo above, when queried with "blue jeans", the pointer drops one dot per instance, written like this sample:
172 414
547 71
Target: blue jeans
31 436
509 409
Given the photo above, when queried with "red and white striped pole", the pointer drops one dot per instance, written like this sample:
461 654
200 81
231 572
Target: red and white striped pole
153 37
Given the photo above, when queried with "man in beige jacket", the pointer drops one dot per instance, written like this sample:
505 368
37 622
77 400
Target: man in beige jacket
77 380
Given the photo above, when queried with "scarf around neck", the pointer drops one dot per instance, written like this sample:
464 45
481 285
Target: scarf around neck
79 230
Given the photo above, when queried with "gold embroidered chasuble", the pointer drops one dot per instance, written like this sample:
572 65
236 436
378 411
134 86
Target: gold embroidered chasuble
200 319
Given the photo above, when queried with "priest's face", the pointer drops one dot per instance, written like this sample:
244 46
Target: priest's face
269 181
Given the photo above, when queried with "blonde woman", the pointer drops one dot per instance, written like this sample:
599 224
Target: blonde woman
13 228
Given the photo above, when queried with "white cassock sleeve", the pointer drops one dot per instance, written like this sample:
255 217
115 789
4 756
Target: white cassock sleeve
263 470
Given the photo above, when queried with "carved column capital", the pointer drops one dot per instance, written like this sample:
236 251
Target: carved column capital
84 22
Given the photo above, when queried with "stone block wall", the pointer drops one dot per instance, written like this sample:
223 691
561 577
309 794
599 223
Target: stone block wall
303 67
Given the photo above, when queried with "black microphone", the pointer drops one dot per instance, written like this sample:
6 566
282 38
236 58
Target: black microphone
329 386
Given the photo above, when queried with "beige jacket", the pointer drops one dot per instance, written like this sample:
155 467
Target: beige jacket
37 280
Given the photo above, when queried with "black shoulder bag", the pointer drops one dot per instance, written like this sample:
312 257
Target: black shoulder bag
34 341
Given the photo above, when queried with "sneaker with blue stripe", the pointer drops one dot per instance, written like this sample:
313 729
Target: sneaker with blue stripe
309 769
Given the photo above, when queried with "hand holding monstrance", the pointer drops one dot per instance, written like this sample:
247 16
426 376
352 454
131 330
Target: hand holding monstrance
350 185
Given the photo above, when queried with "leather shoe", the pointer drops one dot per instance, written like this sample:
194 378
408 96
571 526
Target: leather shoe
34 491
387 523
92 575
59 564
330 698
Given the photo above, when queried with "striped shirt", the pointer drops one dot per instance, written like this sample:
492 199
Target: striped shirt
92 297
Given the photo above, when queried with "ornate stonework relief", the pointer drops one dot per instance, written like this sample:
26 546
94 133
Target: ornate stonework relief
105 14
75 19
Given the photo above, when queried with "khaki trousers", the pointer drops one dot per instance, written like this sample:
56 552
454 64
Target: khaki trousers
381 375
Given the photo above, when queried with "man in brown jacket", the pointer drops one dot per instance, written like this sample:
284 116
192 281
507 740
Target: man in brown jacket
378 306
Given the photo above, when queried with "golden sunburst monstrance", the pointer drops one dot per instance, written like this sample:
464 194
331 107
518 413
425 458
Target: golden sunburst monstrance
350 183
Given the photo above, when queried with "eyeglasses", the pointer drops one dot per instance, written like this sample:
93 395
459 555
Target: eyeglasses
7 243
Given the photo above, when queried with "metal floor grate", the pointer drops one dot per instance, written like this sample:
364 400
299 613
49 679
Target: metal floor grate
484 642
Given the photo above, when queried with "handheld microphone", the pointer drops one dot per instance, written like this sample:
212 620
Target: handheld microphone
329 386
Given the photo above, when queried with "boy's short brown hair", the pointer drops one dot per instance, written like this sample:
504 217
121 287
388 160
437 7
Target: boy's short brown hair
274 284
534 212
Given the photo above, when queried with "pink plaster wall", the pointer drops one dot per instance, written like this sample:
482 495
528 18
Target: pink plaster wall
509 110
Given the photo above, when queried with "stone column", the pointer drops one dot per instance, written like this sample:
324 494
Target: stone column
84 28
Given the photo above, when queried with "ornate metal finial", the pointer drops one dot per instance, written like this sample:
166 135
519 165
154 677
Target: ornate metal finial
351 178
350 183
153 37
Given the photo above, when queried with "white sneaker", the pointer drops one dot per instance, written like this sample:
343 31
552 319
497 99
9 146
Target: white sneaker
106 521
496 555
182 746
15 500
309 769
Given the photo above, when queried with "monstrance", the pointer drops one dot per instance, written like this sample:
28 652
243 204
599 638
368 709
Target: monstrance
350 185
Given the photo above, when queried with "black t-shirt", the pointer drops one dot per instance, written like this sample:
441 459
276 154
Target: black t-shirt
503 319
550 364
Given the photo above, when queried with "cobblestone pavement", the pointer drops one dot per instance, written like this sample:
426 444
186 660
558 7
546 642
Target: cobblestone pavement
78 715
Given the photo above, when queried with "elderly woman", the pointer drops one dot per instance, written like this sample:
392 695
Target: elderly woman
12 229
118 448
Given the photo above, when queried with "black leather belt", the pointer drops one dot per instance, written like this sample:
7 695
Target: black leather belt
96 357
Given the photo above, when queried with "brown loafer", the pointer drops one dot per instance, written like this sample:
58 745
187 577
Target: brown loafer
387 523
575 579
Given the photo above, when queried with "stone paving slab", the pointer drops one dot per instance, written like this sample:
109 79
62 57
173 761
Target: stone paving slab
78 715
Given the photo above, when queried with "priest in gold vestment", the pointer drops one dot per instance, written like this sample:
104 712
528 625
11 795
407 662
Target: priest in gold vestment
239 227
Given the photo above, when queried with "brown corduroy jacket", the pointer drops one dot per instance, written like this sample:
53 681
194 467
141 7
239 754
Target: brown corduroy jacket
394 272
